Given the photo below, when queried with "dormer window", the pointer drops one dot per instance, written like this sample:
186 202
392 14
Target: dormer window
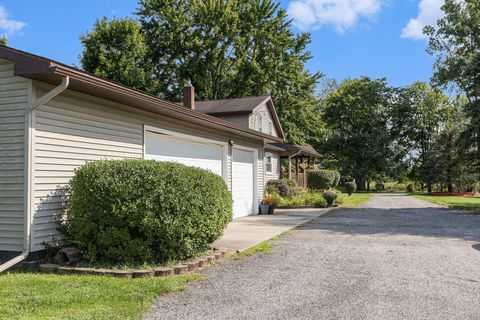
260 123
270 127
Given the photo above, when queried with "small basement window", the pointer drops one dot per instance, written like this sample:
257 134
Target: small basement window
268 162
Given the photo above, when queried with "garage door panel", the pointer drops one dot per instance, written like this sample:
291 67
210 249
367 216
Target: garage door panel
243 182
161 147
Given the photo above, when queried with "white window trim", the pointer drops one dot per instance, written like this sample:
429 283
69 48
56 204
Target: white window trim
260 123
268 155
270 127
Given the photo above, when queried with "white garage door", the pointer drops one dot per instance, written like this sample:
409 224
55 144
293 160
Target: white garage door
243 189
163 147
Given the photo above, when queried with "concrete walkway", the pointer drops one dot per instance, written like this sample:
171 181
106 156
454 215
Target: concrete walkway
246 232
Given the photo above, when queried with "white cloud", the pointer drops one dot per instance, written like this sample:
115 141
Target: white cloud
429 11
9 26
341 14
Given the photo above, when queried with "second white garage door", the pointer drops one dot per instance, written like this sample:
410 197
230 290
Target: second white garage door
243 182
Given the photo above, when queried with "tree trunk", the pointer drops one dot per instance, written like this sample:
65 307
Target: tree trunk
368 186
450 187
429 188
360 184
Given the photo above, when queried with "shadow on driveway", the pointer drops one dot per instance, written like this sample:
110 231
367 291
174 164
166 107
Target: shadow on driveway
429 221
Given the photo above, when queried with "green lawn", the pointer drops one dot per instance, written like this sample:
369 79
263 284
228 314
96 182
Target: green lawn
464 203
25 295
264 247
354 200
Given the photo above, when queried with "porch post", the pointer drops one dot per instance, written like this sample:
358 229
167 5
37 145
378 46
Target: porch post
289 167
298 167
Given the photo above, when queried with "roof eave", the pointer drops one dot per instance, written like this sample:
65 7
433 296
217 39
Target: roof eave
45 70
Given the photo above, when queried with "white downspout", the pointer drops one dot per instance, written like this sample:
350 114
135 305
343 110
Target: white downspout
26 228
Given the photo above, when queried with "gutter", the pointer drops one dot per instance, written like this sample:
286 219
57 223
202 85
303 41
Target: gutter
104 84
45 70
28 168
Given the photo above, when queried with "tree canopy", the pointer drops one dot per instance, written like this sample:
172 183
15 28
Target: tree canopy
456 43
357 116
226 49
363 127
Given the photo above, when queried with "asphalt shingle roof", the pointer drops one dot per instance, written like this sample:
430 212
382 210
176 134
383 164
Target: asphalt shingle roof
246 104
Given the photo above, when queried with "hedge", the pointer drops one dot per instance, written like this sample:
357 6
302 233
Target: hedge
143 211
284 187
322 179
329 196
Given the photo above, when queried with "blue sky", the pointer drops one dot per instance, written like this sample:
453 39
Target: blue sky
350 38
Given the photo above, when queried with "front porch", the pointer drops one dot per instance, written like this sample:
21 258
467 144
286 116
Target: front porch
299 159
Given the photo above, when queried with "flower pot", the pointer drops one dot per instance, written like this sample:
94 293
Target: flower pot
264 208
271 209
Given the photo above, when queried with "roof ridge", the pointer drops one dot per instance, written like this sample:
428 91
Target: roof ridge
242 98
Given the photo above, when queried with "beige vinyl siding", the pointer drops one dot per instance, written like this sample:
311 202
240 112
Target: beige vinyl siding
262 115
241 120
275 174
68 134
261 175
13 103
75 128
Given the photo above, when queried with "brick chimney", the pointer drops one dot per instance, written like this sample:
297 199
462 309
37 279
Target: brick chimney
189 96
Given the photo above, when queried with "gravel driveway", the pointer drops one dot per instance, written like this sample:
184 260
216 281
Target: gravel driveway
395 258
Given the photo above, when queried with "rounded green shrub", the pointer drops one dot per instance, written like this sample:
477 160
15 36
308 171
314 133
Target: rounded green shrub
350 187
283 187
321 203
322 179
329 196
143 211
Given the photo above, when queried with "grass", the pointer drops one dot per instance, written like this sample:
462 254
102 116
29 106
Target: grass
26 295
356 199
263 247
463 203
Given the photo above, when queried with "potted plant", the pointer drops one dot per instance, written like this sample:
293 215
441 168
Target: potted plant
264 207
271 201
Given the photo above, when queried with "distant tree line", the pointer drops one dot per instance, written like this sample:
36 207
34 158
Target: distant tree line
414 133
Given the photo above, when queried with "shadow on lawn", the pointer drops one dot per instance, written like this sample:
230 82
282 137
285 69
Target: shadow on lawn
428 221
473 207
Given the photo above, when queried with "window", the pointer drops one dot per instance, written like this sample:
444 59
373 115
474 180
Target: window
260 122
270 127
268 162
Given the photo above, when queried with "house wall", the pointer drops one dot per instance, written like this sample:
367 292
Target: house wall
241 120
262 115
74 128
14 97
275 174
